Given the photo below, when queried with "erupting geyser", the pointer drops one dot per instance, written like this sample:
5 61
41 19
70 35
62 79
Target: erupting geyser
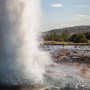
20 57
21 60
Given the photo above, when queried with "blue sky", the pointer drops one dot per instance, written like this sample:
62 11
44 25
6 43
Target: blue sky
65 13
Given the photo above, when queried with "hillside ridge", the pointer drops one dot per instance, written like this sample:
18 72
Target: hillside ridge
75 29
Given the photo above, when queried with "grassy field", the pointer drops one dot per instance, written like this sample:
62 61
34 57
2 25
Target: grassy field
64 43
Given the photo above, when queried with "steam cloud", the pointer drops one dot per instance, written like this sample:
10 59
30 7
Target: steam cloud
19 48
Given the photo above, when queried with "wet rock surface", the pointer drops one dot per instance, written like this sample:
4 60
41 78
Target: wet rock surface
71 56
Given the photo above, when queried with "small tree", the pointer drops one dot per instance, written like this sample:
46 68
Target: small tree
73 38
87 34
81 38
78 38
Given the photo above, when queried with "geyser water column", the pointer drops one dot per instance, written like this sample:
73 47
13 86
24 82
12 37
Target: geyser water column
19 52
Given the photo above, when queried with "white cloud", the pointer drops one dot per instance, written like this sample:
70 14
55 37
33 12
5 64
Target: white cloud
81 17
78 6
57 5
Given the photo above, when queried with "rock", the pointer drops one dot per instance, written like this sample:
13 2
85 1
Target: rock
68 55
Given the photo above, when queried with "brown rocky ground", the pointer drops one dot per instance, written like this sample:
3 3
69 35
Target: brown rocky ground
71 56
77 58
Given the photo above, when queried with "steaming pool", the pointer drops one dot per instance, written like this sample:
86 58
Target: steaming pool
58 76
52 48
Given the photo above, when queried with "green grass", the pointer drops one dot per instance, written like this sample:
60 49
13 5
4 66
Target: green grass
65 43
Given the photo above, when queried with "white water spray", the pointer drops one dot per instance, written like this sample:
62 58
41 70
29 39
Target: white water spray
19 24
21 61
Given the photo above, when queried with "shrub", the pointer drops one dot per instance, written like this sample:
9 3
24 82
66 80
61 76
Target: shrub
73 38
78 38
87 34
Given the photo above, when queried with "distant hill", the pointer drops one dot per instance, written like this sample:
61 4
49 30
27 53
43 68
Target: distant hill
71 30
